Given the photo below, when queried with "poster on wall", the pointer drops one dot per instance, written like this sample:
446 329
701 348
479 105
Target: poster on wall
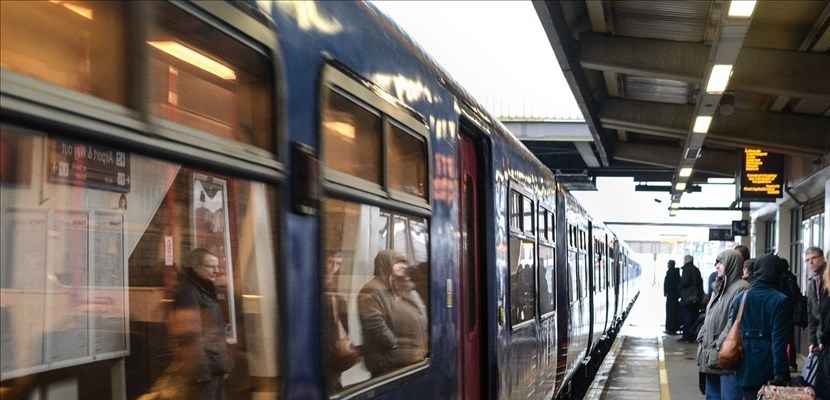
210 231
108 303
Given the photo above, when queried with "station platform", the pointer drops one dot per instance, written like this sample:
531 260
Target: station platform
646 364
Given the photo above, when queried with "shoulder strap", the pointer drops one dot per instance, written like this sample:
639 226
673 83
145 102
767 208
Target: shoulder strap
741 308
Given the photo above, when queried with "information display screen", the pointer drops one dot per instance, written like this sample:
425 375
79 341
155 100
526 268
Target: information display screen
761 176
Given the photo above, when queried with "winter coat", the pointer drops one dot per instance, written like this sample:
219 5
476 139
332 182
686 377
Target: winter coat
713 332
814 326
671 284
765 325
691 285
196 299
393 318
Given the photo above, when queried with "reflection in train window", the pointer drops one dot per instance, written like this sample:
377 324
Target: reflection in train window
208 80
96 243
522 281
407 162
547 279
515 210
353 138
366 299
527 216
79 45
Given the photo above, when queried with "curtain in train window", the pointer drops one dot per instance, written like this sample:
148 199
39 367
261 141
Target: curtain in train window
79 45
375 278
99 253
208 80
522 280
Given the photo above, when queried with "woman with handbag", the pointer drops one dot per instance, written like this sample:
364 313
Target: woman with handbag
764 329
720 383
341 354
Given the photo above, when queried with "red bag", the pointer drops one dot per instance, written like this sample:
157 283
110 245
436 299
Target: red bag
769 392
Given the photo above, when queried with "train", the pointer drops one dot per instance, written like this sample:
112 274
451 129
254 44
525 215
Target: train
301 144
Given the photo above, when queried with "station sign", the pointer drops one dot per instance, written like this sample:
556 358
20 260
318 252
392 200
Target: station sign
740 228
720 234
91 165
761 175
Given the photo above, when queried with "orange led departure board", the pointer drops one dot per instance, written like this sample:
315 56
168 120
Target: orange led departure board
761 176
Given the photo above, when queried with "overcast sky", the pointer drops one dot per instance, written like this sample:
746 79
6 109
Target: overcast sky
498 51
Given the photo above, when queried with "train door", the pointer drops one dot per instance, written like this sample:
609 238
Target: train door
471 277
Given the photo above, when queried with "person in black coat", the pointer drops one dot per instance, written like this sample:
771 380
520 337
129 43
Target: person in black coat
691 294
670 291
199 328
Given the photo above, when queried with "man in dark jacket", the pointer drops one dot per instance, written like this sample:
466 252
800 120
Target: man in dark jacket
765 326
814 259
691 293
670 285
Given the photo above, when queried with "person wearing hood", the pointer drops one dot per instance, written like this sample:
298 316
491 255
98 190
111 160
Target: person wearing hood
720 384
392 316
765 327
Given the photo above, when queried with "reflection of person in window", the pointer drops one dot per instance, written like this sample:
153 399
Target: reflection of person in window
198 325
341 354
393 317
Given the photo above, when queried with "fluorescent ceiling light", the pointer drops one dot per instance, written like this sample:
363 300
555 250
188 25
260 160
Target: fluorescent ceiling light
195 58
672 213
702 124
686 171
680 186
719 78
741 8
345 129
675 205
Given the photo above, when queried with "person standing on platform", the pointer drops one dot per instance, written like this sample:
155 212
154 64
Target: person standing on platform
720 384
670 291
765 328
691 294
814 258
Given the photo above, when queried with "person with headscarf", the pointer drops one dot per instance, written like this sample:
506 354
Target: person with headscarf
720 383
765 327
392 316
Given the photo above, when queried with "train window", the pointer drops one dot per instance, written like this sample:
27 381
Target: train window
541 216
527 216
78 45
552 227
137 270
208 80
407 162
375 287
573 275
522 281
353 135
547 280
515 210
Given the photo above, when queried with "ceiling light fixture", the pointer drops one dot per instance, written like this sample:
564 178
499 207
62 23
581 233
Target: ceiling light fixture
680 186
686 171
741 8
194 58
702 124
675 205
719 78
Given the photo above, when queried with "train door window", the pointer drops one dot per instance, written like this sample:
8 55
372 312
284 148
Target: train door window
103 273
375 261
527 216
78 45
209 80
573 276
547 261
515 205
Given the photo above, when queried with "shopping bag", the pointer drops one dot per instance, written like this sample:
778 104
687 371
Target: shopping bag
770 392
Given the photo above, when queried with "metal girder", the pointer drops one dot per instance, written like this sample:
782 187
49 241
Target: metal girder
787 133
654 58
778 72
716 162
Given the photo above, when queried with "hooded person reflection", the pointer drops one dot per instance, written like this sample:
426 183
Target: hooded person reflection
392 316
199 328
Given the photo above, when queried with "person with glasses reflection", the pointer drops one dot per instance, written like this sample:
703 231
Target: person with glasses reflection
199 328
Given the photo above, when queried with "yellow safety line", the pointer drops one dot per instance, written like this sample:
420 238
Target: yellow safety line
664 376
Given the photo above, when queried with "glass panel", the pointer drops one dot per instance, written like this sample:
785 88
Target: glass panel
527 216
352 137
79 45
522 285
78 248
407 163
205 79
547 279
378 295
573 277
515 210
541 217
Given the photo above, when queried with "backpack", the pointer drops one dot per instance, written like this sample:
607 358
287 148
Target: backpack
798 302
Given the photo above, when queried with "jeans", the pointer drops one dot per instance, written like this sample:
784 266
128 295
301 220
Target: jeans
722 387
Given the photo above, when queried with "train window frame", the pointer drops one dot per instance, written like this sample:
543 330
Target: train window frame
546 241
121 122
339 79
519 196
